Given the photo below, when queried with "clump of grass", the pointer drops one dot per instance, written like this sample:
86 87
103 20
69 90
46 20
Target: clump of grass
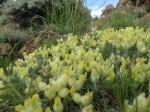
118 19
69 17
143 22
11 32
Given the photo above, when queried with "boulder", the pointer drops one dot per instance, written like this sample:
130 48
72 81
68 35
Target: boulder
146 16
109 9
132 4
39 38
5 49
123 4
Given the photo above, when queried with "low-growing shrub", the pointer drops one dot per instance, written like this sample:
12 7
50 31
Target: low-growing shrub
96 72
12 32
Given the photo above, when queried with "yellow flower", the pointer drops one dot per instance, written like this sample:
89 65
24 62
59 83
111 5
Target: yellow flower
23 73
30 105
140 104
42 86
50 92
88 108
87 98
19 108
102 69
55 85
75 96
48 109
71 81
38 80
94 76
63 80
111 75
2 74
58 106
141 47
79 83
63 92
94 65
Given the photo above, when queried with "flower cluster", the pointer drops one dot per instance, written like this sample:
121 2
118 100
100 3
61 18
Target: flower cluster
140 104
30 105
126 38
60 72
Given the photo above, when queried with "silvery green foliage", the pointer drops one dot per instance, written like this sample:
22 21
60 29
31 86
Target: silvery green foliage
70 14
11 5
2 19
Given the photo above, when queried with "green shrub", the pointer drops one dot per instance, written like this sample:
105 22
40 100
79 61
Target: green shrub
10 32
118 19
60 15
143 22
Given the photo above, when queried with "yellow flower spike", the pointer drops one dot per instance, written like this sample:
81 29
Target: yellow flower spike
53 70
76 97
88 108
72 91
102 69
50 93
42 86
81 65
63 92
45 48
126 106
111 75
94 65
58 106
141 47
71 80
55 85
141 101
38 80
79 83
35 99
99 58
19 108
23 73
94 76
48 109
140 104
63 80
88 68
30 105
87 98
31 63
45 54
2 74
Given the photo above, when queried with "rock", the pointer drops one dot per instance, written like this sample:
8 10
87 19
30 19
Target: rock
123 4
132 4
146 16
109 9
138 7
38 38
5 48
